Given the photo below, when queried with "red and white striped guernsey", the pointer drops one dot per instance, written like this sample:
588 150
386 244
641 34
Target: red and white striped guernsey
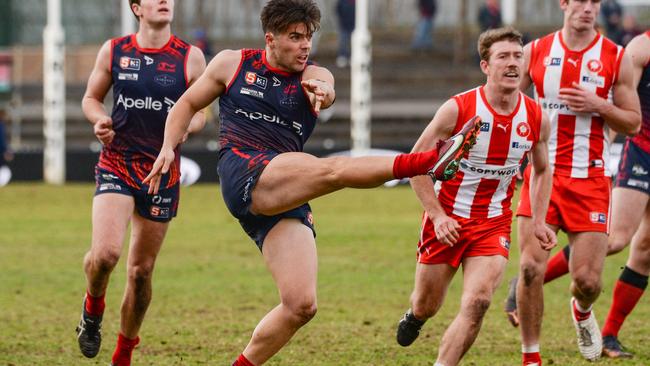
579 142
485 183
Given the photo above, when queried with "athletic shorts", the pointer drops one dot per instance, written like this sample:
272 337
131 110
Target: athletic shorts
160 207
478 238
238 172
577 204
633 168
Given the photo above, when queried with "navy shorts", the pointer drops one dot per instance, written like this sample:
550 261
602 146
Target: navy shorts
160 207
633 168
238 172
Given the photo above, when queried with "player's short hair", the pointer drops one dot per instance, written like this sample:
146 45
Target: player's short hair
131 2
278 15
492 36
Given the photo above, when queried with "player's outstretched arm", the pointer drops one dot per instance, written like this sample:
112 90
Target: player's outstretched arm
318 82
541 184
92 104
624 115
440 128
209 86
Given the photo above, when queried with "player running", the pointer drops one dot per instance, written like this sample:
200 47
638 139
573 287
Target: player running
148 71
467 221
584 82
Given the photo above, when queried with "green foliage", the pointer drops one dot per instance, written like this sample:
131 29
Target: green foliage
211 287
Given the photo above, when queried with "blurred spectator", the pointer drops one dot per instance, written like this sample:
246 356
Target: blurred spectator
612 13
489 15
201 41
422 39
5 153
630 29
345 10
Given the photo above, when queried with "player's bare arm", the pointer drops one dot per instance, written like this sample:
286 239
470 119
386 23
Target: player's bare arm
441 127
624 115
541 184
318 82
639 51
526 81
209 86
195 67
92 104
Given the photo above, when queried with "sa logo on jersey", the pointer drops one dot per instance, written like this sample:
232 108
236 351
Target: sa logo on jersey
128 63
595 66
552 61
523 129
254 79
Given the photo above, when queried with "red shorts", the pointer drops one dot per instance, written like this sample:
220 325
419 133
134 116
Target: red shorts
577 204
478 238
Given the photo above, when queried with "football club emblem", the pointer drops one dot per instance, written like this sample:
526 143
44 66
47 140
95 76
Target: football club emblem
595 66
523 129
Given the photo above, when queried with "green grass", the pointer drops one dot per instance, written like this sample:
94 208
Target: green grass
211 287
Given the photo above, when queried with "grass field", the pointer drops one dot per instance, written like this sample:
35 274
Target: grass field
211 287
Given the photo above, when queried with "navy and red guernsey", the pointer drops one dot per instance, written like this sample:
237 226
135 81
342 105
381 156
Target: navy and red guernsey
146 85
264 108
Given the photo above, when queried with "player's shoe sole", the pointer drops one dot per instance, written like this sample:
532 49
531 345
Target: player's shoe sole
408 329
590 342
612 348
510 305
452 150
89 333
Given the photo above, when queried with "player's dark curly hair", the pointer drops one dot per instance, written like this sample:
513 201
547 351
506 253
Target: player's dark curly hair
278 15
492 36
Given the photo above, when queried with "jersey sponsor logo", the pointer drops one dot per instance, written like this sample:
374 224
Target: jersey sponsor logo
522 145
166 67
505 172
148 60
504 242
598 217
523 129
552 61
254 79
599 81
638 170
276 81
485 127
551 105
159 212
638 183
289 102
108 176
164 80
257 116
596 163
595 66
503 126
109 187
252 93
147 103
128 63
127 76
158 199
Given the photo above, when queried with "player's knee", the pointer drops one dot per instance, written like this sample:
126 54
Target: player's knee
105 261
140 273
530 271
617 243
303 310
425 308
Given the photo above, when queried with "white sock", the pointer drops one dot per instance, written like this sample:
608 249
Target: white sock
581 309
533 348
438 364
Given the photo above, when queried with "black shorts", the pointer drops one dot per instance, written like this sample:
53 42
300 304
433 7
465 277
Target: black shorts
160 207
634 168
238 172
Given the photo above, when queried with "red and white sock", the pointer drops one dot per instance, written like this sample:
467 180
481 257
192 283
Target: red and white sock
530 355
580 312
414 164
